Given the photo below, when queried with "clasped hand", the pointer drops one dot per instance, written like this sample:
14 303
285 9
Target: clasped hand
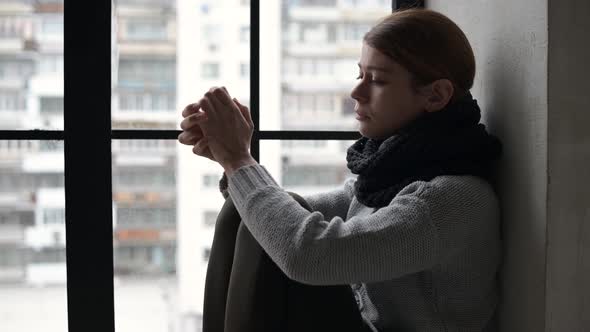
219 127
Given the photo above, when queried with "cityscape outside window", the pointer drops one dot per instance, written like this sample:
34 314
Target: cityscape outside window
165 199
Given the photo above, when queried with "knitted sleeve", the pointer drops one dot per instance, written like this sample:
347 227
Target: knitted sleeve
398 239
332 203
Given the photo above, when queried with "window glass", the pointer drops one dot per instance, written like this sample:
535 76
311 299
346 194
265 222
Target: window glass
306 166
31 65
32 237
210 70
320 44
165 205
146 29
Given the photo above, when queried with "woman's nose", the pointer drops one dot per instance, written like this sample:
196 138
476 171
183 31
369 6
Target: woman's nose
357 94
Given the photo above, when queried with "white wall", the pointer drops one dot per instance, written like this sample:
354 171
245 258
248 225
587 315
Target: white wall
568 201
510 43
532 81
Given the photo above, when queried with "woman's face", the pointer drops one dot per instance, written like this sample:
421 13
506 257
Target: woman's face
385 100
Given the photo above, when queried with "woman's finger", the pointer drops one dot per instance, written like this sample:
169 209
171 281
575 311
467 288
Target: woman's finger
208 108
189 138
193 120
245 112
217 105
224 97
201 148
190 109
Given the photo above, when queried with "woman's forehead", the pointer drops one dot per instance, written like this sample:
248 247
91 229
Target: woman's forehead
371 58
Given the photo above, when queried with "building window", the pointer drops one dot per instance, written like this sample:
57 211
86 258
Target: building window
312 175
51 64
317 3
148 216
307 103
347 105
244 70
206 254
18 69
51 104
12 101
155 73
211 34
11 27
355 31
54 216
137 101
146 30
245 34
306 67
324 103
53 26
324 67
210 218
290 102
211 180
210 70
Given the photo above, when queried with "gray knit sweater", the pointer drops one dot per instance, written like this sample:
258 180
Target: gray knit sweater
425 262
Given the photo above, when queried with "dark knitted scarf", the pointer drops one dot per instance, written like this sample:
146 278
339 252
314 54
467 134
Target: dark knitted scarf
448 142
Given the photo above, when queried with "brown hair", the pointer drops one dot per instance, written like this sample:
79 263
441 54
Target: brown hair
428 44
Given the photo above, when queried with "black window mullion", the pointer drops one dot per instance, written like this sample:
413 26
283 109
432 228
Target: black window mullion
255 77
397 4
261 134
87 150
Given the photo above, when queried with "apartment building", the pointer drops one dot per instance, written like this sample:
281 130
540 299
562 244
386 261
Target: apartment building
32 217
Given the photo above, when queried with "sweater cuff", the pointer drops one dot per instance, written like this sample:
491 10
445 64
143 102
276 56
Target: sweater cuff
246 180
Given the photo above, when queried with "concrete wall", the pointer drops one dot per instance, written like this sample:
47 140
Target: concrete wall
510 43
568 206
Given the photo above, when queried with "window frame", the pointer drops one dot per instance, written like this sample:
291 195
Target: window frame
87 150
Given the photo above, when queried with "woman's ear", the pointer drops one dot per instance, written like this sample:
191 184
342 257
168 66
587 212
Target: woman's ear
440 94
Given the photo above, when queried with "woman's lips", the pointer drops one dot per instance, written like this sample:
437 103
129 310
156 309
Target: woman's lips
361 116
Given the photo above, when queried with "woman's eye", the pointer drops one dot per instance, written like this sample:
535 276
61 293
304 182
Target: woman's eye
372 81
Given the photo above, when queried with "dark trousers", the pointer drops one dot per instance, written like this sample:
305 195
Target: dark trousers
246 291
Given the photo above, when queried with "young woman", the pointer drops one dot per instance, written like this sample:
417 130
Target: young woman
416 234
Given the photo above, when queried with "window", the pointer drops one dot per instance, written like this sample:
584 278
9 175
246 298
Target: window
245 34
52 25
146 29
348 105
319 3
312 175
55 216
12 101
210 218
145 217
142 205
205 8
17 69
51 64
51 105
244 70
142 101
212 35
324 103
211 180
12 26
210 70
